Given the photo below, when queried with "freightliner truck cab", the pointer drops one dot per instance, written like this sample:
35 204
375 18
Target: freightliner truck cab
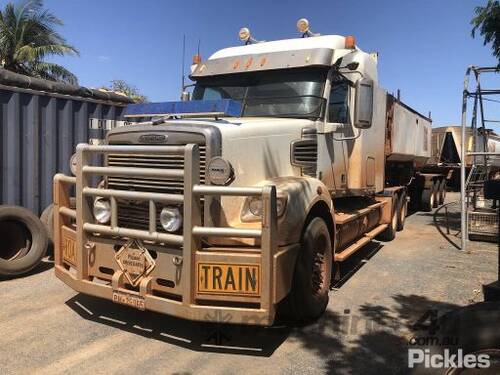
244 200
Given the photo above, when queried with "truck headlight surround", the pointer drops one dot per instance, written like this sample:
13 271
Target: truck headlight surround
171 219
253 208
102 210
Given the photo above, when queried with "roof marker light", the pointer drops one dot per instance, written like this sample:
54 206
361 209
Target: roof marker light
244 34
197 59
350 42
303 25
304 29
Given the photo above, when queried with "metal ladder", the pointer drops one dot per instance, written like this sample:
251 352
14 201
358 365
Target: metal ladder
475 182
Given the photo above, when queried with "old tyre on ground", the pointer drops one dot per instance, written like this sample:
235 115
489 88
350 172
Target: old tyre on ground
308 297
390 232
47 219
402 210
427 199
24 241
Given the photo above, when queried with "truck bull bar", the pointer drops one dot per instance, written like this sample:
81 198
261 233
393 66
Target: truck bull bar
80 225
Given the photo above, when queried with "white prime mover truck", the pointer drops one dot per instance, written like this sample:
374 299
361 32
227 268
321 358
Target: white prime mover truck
245 200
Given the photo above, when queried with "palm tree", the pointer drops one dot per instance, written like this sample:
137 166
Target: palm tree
487 21
28 37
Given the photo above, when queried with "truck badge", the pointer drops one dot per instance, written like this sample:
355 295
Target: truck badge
153 138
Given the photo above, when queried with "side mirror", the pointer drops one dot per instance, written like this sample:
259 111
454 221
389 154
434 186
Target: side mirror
363 106
185 96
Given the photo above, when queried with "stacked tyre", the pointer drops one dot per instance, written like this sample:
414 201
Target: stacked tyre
23 240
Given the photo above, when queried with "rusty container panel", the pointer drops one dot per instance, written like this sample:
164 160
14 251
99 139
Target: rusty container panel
39 132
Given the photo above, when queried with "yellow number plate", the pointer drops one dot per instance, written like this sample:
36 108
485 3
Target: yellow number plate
68 246
234 279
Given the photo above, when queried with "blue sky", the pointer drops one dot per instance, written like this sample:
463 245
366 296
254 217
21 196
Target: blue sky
424 46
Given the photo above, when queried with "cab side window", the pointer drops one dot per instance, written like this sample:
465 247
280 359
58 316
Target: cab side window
338 110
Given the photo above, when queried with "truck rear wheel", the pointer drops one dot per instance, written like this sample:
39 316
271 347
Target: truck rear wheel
402 211
427 199
442 192
308 297
436 187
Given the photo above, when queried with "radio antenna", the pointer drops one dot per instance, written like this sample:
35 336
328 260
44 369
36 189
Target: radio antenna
183 62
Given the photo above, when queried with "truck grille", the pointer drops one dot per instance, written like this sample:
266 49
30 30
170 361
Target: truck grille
305 155
135 215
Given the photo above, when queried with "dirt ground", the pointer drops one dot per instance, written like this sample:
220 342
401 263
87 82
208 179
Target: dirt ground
45 327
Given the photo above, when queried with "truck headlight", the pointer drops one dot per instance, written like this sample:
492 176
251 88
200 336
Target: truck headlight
255 206
102 210
171 219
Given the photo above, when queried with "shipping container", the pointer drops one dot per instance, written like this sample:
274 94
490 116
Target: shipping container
40 127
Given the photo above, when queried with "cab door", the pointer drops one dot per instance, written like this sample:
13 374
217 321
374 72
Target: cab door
332 149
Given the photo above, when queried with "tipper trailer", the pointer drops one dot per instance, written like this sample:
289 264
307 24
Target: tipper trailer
446 143
245 200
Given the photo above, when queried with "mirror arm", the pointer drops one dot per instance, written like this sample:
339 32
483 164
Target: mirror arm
344 72
349 138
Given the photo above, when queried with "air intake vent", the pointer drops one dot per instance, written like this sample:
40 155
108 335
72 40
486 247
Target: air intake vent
305 153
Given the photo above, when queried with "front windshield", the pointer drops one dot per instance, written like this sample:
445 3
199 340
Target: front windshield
278 93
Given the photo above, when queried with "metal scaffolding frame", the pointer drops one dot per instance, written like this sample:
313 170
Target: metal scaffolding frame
478 95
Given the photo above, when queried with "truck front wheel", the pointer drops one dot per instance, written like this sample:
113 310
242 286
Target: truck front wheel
308 297
390 232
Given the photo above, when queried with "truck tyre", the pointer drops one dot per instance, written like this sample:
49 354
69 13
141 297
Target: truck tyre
390 232
436 186
24 241
308 297
47 219
427 200
442 192
402 211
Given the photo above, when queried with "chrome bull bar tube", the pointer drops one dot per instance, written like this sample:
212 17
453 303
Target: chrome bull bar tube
192 234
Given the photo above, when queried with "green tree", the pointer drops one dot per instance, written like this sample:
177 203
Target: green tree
131 91
487 22
28 36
